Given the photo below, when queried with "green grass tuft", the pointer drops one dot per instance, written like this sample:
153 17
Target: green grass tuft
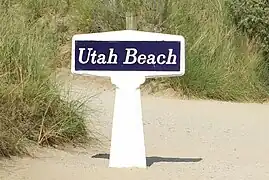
32 109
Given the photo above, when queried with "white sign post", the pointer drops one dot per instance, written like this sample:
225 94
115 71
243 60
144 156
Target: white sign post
128 57
127 143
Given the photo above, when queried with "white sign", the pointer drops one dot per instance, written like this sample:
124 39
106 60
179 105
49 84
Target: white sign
128 57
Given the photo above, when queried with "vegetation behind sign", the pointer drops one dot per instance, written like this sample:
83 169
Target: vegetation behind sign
36 34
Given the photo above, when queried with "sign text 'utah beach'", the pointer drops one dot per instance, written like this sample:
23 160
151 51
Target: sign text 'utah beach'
138 55
127 56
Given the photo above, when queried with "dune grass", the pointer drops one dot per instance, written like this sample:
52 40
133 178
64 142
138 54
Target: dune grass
31 108
222 64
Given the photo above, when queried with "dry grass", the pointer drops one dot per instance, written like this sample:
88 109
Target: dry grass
32 110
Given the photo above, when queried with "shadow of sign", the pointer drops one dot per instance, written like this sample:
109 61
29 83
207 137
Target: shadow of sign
155 159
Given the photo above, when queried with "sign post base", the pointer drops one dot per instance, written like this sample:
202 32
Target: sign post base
127 141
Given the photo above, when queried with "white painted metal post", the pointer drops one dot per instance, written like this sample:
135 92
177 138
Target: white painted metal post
127 141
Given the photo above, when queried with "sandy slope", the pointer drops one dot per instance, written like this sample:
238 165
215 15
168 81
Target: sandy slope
206 139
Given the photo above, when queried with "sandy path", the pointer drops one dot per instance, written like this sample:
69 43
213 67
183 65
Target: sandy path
231 140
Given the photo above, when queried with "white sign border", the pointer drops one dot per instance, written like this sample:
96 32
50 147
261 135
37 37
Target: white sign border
130 35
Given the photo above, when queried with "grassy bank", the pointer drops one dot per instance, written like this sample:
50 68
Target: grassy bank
31 109
222 63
